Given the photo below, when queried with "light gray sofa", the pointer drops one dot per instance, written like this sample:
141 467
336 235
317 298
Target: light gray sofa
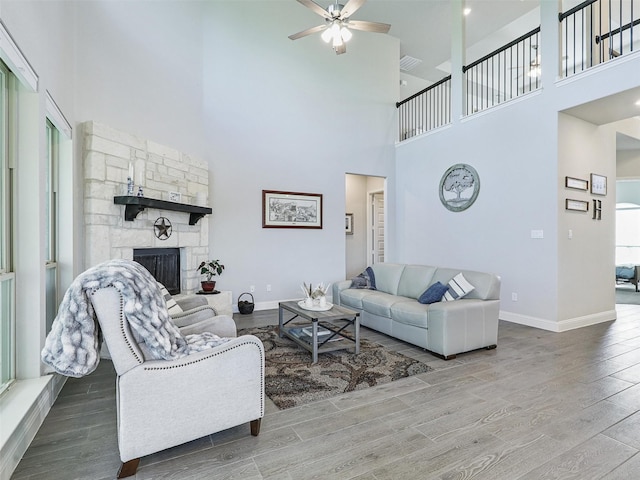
443 328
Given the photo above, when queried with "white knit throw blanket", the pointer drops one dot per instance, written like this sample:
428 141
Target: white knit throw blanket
72 347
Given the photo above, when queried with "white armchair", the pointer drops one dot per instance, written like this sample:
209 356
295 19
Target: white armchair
160 403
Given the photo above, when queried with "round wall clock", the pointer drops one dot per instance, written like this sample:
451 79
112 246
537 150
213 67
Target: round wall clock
459 187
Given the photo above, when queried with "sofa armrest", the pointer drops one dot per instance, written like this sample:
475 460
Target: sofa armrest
221 325
337 288
194 315
463 325
191 301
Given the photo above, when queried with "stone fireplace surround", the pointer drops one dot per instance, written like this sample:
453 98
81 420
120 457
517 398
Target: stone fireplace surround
108 156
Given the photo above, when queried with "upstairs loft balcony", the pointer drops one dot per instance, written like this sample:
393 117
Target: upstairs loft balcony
591 33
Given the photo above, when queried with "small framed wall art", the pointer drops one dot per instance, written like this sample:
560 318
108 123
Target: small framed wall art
576 205
291 209
348 223
598 184
576 183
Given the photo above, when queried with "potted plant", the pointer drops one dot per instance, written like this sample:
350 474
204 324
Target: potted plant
210 269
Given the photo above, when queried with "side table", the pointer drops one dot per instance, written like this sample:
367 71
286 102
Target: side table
220 301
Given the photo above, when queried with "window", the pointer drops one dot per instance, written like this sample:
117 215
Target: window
7 279
51 209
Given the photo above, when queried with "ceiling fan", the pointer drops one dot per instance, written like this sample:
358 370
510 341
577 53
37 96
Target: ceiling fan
338 24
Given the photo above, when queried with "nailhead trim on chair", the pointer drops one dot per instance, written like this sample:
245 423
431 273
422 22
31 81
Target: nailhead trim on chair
122 320
200 359
214 355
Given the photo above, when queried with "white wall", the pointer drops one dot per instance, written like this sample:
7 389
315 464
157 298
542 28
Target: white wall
585 261
628 164
139 69
494 234
291 116
356 244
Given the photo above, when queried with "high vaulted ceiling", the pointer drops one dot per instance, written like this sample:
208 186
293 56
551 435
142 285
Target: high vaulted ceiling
424 27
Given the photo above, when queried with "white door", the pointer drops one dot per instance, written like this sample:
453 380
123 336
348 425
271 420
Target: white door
377 227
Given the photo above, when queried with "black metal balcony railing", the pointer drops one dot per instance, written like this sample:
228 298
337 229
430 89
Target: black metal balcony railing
597 31
506 73
428 109
592 33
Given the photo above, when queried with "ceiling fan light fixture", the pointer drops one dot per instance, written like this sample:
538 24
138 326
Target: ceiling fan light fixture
337 41
327 35
346 34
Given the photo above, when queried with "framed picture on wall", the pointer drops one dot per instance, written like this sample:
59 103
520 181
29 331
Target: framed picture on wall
291 209
598 184
576 205
348 223
576 183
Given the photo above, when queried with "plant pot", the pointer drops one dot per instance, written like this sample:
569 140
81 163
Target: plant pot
208 285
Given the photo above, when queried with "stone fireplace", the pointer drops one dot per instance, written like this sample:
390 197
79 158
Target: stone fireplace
110 156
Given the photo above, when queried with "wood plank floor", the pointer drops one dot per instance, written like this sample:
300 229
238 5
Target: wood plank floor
541 406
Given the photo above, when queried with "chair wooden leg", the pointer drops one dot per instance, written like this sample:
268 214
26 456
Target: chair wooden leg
255 427
128 468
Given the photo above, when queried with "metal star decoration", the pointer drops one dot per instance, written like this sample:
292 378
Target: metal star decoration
162 228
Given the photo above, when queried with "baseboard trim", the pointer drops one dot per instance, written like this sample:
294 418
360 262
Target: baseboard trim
561 325
28 402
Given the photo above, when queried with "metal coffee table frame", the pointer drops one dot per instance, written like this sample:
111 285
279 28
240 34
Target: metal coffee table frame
337 313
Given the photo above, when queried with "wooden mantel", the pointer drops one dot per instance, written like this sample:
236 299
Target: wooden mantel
135 205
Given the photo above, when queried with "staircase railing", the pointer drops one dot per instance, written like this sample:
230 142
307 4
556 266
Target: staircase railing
428 109
506 73
597 31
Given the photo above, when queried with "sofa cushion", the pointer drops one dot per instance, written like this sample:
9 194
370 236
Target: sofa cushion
352 297
388 276
410 313
458 288
380 303
433 294
414 280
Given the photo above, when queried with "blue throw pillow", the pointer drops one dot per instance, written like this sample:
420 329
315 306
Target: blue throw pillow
372 277
365 280
433 294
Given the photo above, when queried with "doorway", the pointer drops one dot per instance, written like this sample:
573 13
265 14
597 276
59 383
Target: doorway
365 209
376 227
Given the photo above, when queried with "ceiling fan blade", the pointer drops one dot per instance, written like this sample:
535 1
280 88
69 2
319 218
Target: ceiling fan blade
341 49
369 26
350 8
308 31
315 7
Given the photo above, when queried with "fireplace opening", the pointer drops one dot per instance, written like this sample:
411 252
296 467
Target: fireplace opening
164 265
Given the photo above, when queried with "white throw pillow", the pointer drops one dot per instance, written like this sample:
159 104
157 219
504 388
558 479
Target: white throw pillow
172 306
458 288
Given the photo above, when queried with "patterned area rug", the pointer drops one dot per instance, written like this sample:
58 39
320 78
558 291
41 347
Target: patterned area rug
292 380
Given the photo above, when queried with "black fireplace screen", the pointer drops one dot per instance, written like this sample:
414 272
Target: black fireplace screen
164 265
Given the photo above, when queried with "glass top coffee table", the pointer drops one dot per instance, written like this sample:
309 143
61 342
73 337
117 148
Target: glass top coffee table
318 338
